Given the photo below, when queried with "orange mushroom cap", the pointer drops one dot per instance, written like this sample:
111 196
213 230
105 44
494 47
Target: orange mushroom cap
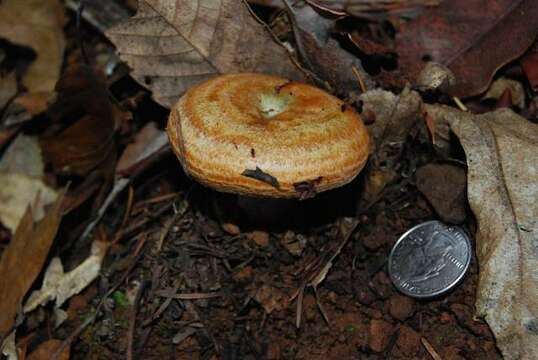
262 135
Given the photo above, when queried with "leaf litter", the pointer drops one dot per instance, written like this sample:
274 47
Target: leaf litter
239 276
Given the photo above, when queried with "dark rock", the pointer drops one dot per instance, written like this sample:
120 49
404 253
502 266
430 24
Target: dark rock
401 307
381 285
444 185
408 341
379 334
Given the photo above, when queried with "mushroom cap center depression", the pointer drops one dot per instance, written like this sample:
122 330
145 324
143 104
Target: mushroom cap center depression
272 104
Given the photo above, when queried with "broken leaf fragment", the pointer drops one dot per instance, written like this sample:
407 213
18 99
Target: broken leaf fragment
60 286
21 170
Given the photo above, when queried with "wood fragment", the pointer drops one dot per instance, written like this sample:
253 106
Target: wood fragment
307 189
430 349
190 296
259 174
459 103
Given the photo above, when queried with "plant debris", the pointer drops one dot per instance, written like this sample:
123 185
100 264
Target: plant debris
262 176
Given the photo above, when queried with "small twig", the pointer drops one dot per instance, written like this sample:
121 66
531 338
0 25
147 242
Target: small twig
128 208
359 78
132 319
168 225
80 9
91 319
318 269
163 307
320 306
119 185
299 313
430 349
137 225
156 199
460 105
190 296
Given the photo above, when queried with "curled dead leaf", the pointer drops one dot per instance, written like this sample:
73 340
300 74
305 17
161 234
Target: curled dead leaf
501 150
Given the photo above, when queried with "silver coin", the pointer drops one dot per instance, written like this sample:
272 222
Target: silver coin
429 259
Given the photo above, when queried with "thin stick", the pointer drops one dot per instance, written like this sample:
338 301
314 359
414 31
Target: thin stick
430 349
460 105
191 296
357 74
157 199
132 320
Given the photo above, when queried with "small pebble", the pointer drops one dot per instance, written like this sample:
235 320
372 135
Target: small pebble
401 307
379 335
408 341
231 229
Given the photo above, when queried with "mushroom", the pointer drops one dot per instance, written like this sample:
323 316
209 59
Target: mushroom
264 136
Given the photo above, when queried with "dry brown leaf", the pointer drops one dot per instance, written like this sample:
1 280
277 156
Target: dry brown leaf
323 54
37 24
147 145
46 350
172 45
395 117
23 259
89 142
502 188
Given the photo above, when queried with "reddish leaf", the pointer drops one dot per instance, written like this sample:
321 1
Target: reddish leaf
148 144
89 141
323 54
47 349
505 100
472 37
529 63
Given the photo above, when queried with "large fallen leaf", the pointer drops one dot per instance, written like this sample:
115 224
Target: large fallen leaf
502 188
23 259
37 24
60 286
172 45
473 38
